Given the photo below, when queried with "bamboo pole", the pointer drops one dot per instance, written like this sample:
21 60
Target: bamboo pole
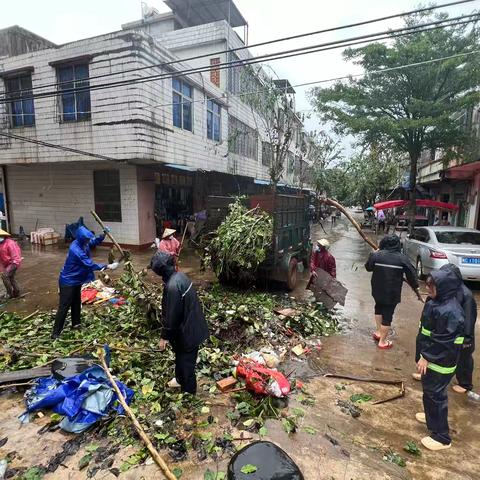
109 235
153 452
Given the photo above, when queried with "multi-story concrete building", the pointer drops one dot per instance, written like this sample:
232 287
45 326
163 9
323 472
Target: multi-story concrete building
148 149
456 181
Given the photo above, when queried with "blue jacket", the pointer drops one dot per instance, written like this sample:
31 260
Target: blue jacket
79 267
441 333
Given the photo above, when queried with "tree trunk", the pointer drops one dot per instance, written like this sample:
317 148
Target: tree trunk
412 207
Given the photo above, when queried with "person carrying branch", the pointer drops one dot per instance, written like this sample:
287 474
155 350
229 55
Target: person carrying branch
388 265
10 260
79 268
184 325
439 344
322 258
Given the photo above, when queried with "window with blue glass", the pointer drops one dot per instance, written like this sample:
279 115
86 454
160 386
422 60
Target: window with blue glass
182 104
214 115
20 101
75 92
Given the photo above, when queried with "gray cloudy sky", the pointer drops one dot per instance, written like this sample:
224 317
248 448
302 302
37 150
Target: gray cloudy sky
66 20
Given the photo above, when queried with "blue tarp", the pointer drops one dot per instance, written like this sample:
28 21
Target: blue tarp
83 399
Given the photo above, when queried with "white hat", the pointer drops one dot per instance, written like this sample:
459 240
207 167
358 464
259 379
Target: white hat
168 232
324 243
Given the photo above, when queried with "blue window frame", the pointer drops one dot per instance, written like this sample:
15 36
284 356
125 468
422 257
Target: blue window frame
182 94
75 94
20 106
214 117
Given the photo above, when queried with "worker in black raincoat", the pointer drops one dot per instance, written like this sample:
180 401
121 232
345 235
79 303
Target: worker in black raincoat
465 365
184 325
439 343
388 265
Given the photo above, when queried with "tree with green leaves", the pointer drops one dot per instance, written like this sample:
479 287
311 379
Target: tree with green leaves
273 111
413 108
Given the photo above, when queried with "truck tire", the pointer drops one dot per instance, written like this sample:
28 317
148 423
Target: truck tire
292 274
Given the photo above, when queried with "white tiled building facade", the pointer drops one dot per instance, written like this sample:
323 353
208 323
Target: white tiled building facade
134 125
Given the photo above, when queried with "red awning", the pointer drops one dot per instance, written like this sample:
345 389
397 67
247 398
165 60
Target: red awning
465 171
420 203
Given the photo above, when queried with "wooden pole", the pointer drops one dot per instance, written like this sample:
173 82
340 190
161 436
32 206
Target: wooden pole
183 239
153 452
335 204
109 235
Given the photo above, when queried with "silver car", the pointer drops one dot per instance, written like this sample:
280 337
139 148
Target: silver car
428 248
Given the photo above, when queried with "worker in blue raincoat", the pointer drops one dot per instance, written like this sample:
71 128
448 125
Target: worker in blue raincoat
439 343
79 268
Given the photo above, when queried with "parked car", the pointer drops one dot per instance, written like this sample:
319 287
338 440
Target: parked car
403 221
428 248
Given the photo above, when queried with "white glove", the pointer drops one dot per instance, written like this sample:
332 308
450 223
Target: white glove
113 266
157 242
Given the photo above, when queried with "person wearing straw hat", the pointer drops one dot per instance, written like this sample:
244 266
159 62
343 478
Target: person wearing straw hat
322 258
10 260
168 244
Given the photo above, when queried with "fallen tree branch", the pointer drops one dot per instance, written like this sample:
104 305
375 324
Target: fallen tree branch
398 383
153 452
340 207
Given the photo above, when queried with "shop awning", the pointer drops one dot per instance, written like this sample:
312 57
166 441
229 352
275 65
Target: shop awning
185 168
463 172
420 203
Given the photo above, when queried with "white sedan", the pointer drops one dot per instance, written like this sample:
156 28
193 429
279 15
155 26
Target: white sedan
428 248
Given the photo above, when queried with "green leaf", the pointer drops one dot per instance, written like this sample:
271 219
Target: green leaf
310 430
84 461
412 448
262 431
249 422
204 410
33 473
248 468
91 448
178 472
360 398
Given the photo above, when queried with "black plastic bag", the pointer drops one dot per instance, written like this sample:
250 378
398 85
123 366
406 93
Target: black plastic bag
270 462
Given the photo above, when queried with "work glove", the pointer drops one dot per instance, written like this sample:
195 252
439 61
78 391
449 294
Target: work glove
157 242
113 266
107 230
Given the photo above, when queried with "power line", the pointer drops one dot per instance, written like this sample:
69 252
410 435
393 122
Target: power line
268 42
60 147
316 82
445 23
225 96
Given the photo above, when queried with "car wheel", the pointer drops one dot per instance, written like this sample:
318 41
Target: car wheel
292 274
420 273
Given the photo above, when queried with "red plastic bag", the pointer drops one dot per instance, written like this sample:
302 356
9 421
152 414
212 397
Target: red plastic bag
89 295
262 380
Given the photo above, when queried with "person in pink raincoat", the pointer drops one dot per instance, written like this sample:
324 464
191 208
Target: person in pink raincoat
10 261
168 244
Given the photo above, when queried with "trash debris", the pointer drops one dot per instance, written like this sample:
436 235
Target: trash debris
83 399
474 396
262 380
262 461
286 312
298 350
226 384
327 290
349 408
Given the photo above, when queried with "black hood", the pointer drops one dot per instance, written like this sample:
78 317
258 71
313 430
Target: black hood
453 269
446 284
163 264
391 243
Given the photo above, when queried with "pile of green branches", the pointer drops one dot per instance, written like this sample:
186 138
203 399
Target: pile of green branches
240 244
